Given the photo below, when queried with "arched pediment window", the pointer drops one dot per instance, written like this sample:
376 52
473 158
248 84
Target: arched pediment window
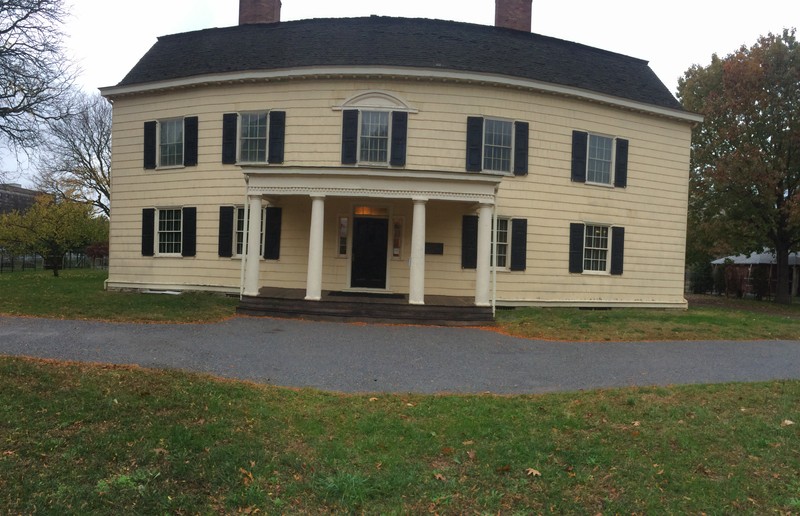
374 129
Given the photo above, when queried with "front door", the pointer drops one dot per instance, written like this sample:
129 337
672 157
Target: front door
370 238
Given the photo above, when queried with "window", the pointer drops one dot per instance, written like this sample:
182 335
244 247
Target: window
598 168
342 238
253 137
374 143
511 237
239 236
496 145
253 144
374 137
169 231
501 241
595 249
600 160
397 237
170 143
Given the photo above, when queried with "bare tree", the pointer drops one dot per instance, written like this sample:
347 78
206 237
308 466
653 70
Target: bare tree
75 159
35 78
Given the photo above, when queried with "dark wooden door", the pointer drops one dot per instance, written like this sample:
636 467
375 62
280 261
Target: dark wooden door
370 238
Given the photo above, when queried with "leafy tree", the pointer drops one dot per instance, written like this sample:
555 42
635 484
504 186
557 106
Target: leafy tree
745 173
35 78
76 156
52 229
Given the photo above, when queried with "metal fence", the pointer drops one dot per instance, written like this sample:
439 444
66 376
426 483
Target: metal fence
76 260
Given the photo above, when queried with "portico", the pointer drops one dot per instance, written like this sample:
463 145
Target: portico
467 192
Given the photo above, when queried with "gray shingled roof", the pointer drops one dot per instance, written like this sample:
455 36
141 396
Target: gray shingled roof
405 42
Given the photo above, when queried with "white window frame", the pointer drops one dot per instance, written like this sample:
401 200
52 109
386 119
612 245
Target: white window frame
239 236
485 144
611 163
240 136
398 229
388 114
158 231
343 236
587 249
496 232
160 143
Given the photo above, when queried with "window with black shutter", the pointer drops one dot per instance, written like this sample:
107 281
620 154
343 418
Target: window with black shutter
374 137
497 145
598 159
189 229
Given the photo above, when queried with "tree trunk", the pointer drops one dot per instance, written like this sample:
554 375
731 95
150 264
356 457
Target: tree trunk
783 291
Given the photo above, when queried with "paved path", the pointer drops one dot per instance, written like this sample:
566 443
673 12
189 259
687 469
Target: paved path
370 358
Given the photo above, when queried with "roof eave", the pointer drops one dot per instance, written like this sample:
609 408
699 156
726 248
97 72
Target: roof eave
332 72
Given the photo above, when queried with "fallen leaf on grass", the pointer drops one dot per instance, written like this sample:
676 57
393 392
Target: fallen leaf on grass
247 478
373 399
471 454
467 443
503 469
439 476
533 472
787 422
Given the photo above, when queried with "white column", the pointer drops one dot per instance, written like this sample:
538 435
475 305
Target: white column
482 276
252 256
416 289
314 279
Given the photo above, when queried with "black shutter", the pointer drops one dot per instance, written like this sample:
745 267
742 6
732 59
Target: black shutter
469 242
148 231
190 141
399 134
520 148
579 143
272 233
225 246
621 164
519 244
576 231
277 136
474 144
150 145
230 126
617 249
189 230
349 137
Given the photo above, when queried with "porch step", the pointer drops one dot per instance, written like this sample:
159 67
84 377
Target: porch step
365 310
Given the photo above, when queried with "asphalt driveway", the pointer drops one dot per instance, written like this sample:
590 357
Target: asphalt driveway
378 358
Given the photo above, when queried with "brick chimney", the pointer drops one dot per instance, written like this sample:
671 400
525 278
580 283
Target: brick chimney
259 11
513 14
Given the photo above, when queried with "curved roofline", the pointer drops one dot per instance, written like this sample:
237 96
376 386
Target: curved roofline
335 72
404 43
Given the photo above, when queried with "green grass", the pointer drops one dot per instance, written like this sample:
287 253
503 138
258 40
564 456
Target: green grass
79 294
735 321
88 439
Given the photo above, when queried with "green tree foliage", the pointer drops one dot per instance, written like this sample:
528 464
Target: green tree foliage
52 229
745 173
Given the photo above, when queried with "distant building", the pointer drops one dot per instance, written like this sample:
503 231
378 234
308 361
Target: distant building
14 197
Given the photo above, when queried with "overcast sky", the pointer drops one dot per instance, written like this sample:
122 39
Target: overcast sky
107 37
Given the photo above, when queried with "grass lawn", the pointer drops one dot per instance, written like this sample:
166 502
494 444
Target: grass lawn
116 440
78 294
